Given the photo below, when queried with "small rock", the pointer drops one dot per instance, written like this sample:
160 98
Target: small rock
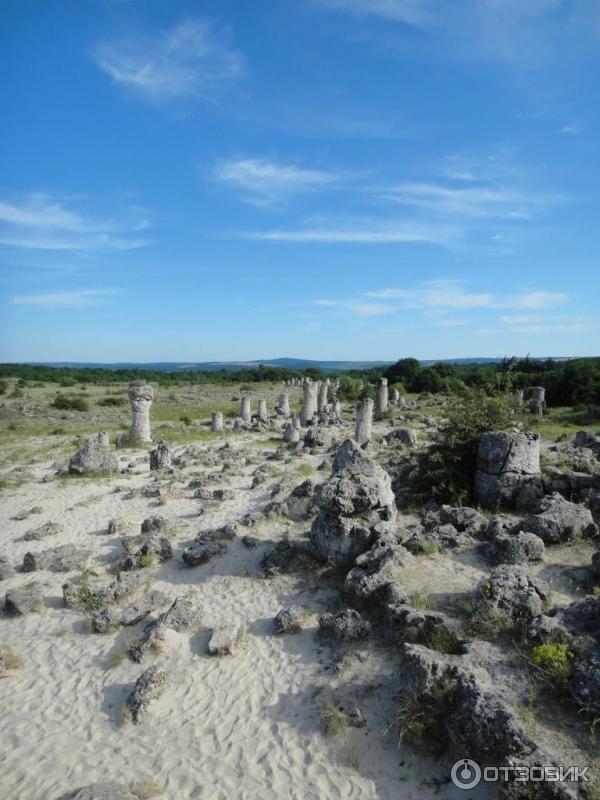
7 570
225 639
149 688
49 529
204 548
24 600
289 620
343 627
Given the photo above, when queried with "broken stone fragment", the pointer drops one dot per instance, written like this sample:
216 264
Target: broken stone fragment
148 689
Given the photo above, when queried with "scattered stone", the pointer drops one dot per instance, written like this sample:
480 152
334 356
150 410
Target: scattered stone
289 620
558 520
92 458
512 591
7 569
374 570
156 547
24 600
115 617
48 529
343 627
156 524
225 639
160 458
205 547
149 688
183 614
63 558
95 596
518 548
404 436
119 525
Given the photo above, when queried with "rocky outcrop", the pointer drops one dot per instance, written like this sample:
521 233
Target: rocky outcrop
343 627
518 548
148 689
90 596
48 529
407 437
156 548
7 569
373 571
289 620
356 506
508 470
558 520
205 547
114 617
513 592
364 421
93 458
160 457
63 558
24 600
226 638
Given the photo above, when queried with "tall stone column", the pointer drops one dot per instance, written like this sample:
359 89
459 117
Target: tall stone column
141 395
216 424
322 395
382 402
245 410
364 421
263 414
395 397
309 401
283 405
291 434
337 409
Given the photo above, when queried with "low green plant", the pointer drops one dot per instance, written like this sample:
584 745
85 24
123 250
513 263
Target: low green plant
305 469
422 601
12 660
421 718
67 403
146 788
484 622
332 717
111 401
553 664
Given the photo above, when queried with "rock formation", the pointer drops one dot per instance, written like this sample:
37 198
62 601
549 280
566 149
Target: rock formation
216 424
364 421
92 457
160 458
245 409
140 398
508 470
381 403
309 401
322 392
283 405
263 414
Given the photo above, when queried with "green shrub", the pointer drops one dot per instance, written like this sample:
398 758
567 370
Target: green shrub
422 718
187 421
67 403
3 387
111 401
553 662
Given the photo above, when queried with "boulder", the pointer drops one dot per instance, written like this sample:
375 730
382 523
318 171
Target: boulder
7 569
585 681
356 506
24 600
513 592
149 687
558 520
63 558
374 570
518 548
114 617
225 639
184 614
157 524
205 547
97 595
156 547
404 436
48 529
100 791
160 457
464 519
93 457
289 620
343 627
508 469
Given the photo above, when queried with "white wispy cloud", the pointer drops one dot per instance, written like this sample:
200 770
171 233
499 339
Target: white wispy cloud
38 221
70 298
363 232
263 182
193 59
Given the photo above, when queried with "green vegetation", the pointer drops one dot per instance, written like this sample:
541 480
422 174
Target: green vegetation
67 403
422 718
553 665
145 789
332 717
112 401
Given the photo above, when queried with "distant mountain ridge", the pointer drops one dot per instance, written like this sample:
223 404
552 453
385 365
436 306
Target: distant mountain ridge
287 363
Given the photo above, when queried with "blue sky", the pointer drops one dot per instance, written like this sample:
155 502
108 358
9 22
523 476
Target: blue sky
360 179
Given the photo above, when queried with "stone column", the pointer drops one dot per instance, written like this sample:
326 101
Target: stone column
382 403
216 424
309 401
245 410
140 398
395 397
103 439
283 405
322 395
337 409
401 402
263 414
537 399
291 433
161 457
364 421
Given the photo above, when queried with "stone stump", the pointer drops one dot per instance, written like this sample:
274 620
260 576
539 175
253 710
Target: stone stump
364 421
141 395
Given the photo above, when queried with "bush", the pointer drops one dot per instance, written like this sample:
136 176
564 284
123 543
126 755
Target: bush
66 403
553 662
447 468
111 401
3 387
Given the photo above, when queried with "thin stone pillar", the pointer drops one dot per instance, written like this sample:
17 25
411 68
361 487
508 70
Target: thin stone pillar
245 410
216 424
283 405
382 402
309 401
322 395
263 414
364 421
141 395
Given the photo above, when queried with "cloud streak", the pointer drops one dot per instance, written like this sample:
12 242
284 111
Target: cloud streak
192 60
70 298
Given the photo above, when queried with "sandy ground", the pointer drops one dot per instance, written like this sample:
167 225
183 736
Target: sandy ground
243 726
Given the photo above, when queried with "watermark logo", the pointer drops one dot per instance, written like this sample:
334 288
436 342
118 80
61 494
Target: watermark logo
467 774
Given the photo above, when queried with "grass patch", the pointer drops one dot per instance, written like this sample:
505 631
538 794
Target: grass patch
146 788
332 718
12 660
306 469
421 718
422 601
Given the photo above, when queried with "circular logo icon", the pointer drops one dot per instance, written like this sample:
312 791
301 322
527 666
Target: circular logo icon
465 774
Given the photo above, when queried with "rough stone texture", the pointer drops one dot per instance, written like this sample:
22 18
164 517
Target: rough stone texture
63 558
149 687
374 570
381 402
284 557
404 436
585 681
291 434
216 424
322 395
24 600
558 520
364 421
7 569
263 414
283 405
356 504
226 638
309 401
289 620
155 545
518 548
92 458
183 615
402 622
512 591
536 397
205 547
154 524
245 409
160 458
102 594
115 617
317 436
140 395
508 469
48 529
343 627
464 519
100 791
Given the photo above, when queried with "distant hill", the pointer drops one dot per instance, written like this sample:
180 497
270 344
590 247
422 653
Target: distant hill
288 363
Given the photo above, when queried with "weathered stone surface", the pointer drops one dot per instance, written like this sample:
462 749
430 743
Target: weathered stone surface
464 519
283 405
317 436
374 570
114 617
309 401
140 395
48 529
63 558
245 409
508 469
518 548
291 433
155 548
120 525
24 600
93 458
7 569
585 681
299 504
100 791
284 557
343 627
204 548
363 429
216 423
160 457
102 594
356 505
263 413
558 520
512 591
289 620
226 639
149 687
403 623
381 400
183 615
404 436
154 524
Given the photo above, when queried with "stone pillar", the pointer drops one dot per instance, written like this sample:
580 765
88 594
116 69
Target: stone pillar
401 402
103 439
337 409
508 469
395 397
161 457
296 421
283 405
382 403
309 401
364 421
537 399
245 410
263 414
140 398
291 433
216 424
322 395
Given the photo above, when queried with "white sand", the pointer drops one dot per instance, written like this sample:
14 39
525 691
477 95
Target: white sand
244 726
